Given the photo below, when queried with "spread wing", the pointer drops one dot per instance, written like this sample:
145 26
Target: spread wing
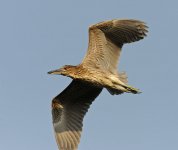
106 40
68 111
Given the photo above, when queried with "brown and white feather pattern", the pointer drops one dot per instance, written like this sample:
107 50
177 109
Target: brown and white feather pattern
68 111
97 70
106 40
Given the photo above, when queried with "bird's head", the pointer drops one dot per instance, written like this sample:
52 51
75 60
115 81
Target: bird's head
66 70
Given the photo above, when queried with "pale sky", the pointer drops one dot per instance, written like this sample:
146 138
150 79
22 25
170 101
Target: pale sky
40 35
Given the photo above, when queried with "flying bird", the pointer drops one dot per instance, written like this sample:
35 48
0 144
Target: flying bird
98 70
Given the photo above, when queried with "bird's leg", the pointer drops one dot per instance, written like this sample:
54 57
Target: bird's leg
132 89
118 84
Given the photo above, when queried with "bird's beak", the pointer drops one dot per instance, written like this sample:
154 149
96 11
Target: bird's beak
58 71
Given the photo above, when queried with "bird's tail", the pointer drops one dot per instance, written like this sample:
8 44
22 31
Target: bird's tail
123 77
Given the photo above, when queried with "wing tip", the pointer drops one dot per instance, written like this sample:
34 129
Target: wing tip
105 25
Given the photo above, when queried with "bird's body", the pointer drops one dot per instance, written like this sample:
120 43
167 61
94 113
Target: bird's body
98 77
98 70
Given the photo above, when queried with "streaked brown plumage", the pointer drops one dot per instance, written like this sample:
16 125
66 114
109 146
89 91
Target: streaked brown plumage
98 70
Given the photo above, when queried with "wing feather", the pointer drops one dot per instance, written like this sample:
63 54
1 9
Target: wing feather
106 40
68 111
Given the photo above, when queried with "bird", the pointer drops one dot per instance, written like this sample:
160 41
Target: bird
97 70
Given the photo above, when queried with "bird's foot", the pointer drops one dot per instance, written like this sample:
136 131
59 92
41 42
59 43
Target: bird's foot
133 90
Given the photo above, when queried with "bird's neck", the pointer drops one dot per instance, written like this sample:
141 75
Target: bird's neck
76 72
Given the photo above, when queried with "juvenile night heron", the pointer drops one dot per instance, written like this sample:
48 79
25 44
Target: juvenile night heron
98 70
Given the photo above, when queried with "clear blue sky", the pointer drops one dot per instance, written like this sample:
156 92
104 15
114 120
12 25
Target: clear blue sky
40 35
